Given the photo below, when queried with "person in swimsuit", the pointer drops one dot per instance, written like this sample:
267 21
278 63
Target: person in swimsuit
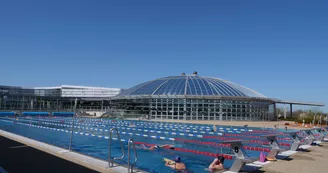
214 128
217 164
177 165
156 147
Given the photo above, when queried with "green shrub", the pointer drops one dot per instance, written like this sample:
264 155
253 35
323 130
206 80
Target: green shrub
288 119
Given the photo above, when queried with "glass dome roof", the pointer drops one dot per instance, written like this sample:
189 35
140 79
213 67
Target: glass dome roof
191 85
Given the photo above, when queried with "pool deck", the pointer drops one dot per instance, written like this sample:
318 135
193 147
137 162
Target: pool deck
314 161
77 158
266 124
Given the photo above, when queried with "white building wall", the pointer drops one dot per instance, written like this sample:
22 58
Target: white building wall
88 93
84 91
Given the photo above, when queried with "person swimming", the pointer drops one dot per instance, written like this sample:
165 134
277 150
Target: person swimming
214 128
156 147
217 164
177 165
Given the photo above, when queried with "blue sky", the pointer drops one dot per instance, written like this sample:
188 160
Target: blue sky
278 48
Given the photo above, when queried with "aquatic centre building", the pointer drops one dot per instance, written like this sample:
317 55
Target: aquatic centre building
183 97
193 97
60 98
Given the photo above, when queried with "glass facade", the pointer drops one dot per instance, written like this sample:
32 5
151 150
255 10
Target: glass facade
24 99
194 109
192 97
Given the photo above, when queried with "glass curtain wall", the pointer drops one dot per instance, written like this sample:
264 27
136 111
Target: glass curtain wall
20 99
194 109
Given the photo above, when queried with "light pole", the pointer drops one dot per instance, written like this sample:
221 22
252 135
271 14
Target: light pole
72 129
313 122
5 101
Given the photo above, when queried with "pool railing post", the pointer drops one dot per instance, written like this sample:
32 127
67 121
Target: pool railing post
130 166
72 129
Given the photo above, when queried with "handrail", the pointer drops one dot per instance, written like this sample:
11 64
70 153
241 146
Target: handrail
130 166
110 160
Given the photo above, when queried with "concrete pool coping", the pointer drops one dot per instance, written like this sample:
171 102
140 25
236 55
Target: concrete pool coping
77 158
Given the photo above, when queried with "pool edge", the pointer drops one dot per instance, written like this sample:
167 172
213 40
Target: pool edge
77 158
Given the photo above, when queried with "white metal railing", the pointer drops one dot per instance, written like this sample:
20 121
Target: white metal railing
110 160
130 166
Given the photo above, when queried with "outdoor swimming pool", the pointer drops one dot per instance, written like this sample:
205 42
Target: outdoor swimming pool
197 145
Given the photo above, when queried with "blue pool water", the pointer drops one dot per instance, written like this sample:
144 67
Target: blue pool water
89 138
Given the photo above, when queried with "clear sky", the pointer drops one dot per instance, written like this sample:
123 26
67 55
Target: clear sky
278 48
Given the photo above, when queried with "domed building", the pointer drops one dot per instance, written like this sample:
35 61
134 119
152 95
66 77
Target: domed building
192 97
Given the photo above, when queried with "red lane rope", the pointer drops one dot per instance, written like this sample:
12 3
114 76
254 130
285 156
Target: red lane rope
230 139
260 133
219 137
202 142
239 135
228 145
229 157
267 143
227 134
284 139
257 149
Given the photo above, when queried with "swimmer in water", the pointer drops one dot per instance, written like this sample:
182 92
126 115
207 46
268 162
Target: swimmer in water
156 147
217 164
214 128
177 165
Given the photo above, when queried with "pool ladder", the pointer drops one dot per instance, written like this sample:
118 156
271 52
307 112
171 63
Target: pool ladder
130 166
110 160
130 142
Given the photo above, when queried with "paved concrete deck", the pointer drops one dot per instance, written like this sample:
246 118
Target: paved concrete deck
264 124
314 161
